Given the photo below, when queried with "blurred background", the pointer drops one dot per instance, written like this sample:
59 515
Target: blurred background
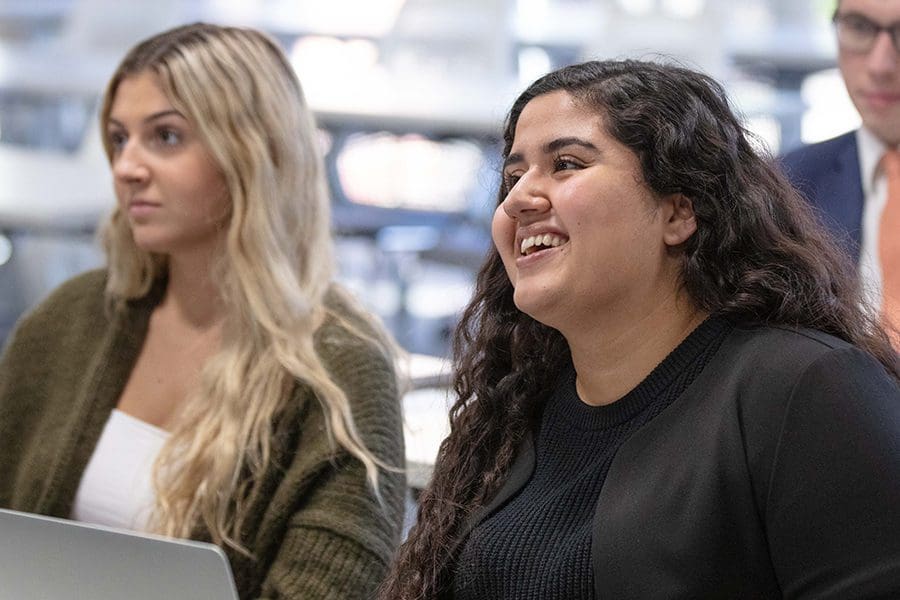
410 97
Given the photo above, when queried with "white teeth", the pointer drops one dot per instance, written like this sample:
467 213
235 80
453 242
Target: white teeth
547 239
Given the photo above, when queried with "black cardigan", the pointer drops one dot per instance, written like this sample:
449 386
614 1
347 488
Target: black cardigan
776 474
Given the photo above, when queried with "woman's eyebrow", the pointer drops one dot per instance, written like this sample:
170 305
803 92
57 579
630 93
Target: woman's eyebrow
551 147
153 117
512 159
568 141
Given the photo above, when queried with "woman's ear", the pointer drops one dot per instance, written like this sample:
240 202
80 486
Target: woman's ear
681 222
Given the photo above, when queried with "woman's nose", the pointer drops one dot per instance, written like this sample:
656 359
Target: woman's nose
527 198
128 166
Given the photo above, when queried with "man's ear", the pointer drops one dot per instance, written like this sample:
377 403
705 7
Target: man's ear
681 222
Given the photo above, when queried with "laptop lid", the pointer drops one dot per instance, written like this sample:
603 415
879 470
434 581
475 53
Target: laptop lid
48 558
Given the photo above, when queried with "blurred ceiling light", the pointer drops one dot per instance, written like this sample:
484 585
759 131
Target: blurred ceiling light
327 67
352 17
637 7
766 132
442 298
830 111
234 11
684 9
315 53
532 14
6 249
533 7
533 62
400 171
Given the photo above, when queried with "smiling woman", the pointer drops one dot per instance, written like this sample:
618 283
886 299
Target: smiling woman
213 382
607 236
667 385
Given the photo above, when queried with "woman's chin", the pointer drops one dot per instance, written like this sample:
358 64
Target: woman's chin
539 305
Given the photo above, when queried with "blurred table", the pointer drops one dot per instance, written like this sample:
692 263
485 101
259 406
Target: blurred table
425 414
425 425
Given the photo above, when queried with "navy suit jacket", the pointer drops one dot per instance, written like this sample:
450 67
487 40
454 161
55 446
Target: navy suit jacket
827 174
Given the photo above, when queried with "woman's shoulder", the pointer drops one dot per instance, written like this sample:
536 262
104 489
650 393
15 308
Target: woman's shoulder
54 341
780 347
348 325
353 346
79 300
769 370
89 285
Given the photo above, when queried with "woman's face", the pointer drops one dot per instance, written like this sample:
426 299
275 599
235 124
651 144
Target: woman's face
580 233
166 183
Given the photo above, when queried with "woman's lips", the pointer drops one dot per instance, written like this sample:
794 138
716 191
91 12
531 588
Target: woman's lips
538 256
141 208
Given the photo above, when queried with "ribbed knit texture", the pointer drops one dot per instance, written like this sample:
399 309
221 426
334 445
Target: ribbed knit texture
315 529
538 546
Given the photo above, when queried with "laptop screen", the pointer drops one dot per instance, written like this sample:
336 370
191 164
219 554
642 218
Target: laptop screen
44 557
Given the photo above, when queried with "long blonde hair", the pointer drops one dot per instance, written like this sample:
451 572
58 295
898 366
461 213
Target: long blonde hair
238 89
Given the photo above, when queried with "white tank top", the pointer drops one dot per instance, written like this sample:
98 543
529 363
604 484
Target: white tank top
116 488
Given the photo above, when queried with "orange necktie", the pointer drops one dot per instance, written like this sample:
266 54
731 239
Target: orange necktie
889 244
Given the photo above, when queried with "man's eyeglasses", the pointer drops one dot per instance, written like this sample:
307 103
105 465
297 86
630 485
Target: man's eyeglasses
856 33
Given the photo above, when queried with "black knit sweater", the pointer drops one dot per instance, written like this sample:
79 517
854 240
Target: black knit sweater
538 546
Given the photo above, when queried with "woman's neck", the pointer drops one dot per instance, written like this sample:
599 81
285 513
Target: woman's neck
612 358
192 295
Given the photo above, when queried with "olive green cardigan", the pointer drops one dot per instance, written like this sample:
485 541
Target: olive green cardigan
315 530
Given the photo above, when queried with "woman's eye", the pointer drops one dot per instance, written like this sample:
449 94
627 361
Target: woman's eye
117 140
565 164
169 137
510 181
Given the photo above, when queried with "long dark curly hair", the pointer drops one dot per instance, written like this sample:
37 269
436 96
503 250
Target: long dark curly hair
759 256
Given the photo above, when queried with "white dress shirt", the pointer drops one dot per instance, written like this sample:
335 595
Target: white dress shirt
874 185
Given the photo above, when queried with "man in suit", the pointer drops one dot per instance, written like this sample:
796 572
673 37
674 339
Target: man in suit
844 177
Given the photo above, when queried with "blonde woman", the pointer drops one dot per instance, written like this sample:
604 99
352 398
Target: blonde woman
212 382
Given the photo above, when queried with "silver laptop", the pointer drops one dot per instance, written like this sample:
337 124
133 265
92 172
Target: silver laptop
43 558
